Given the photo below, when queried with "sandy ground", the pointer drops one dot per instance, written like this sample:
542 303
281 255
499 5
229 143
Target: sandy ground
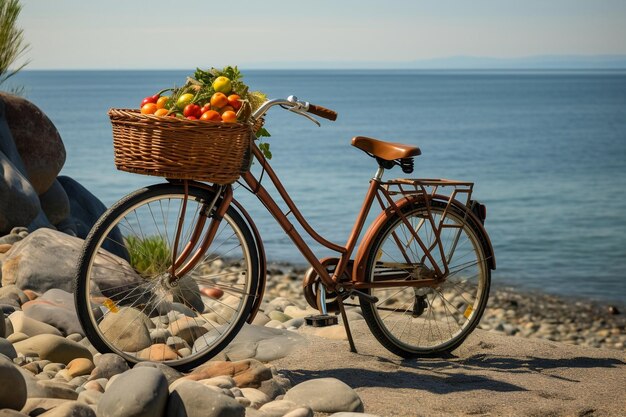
489 375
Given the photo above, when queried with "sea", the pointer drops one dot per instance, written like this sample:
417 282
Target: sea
546 150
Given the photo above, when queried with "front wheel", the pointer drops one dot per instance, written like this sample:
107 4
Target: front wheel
126 301
426 321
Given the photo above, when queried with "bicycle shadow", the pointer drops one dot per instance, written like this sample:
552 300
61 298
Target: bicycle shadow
454 374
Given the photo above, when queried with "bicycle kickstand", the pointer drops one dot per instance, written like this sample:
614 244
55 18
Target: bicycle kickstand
344 317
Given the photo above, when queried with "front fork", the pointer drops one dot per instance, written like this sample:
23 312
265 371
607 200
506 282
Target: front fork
214 210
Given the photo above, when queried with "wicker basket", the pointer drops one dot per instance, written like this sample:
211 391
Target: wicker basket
180 149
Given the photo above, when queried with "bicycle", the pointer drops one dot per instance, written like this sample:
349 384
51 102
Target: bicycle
421 273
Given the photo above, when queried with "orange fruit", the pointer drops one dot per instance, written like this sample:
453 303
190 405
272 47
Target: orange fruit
226 108
229 116
161 112
161 102
149 108
219 100
211 115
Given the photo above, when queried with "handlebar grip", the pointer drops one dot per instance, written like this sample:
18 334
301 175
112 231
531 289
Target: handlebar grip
322 112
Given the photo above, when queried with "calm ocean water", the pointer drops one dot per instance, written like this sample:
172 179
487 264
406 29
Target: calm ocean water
547 151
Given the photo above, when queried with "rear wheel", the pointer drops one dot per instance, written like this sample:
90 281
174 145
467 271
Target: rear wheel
125 300
427 321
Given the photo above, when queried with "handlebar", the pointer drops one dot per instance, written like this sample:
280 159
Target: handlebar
302 108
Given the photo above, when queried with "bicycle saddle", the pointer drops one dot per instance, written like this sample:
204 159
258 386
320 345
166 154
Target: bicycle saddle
385 150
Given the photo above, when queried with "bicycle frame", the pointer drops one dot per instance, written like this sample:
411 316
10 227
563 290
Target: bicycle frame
377 190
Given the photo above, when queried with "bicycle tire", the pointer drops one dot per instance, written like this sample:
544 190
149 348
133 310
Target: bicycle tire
190 319
437 308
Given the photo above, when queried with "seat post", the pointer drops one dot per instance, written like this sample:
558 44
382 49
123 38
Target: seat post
379 174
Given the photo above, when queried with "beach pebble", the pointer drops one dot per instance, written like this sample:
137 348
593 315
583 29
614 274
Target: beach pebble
140 392
57 389
223 381
7 349
129 327
62 319
278 408
37 406
96 385
17 337
336 332
350 414
80 366
107 365
192 399
300 412
53 348
261 319
325 395
89 397
31 327
13 388
256 397
188 329
70 409
7 412
278 316
170 373
159 335
246 373
158 352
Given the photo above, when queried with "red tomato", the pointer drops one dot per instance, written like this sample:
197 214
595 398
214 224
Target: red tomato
192 118
149 99
234 102
205 108
192 110
229 116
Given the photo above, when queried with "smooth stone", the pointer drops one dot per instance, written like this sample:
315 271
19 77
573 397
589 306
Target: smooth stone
37 140
14 293
279 316
336 332
96 385
158 352
296 312
19 203
273 388
107 365
80 366
261 319
160 336
3 325
13 389
325 395
278 408
78 381
295 323
176 342
188 294
7 412
256 397
219 381
53 367
75 337
300 412
62 318
53 348
90 397
188 329
70 409
7 349
17 337
57 389
262 343
246 373
139 392
275 324
31 327
55 203
170 373
85 210
36 406
129 327
47 258
350 414
192 399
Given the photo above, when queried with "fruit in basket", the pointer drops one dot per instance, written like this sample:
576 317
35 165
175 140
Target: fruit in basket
219 100
211 115
149 99
149 108
229 116
192 110
162 102
234 101
183 100
161 112
222 85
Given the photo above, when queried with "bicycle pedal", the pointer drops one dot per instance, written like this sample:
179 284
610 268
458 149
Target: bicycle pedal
321 320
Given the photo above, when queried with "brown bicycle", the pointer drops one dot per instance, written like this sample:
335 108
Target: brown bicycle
172 271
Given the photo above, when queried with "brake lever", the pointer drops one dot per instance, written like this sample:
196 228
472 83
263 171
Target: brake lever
307 115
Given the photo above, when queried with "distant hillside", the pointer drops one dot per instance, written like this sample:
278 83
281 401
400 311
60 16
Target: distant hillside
462 62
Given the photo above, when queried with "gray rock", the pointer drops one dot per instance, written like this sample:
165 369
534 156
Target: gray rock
7 412
12 385
272 388
256 397
53 348
36 139
10 239
138 392
85 210
31 327
170 373
47 259
90 397
300 412
6 348
107 365
70 409
349 414
36 406
55 204
3 325
58 389
278 408
325 395
12 292
129 327
64 320
19 204
192 399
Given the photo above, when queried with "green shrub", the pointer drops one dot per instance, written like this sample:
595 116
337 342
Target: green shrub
12 45
149 256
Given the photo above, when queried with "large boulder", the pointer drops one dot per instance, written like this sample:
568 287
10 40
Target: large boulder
55 203
37 141
19 204
47 259
85 210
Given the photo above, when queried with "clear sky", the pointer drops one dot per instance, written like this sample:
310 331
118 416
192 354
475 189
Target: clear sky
160 34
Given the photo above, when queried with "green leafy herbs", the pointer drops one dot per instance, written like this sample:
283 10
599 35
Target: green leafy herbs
149 256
